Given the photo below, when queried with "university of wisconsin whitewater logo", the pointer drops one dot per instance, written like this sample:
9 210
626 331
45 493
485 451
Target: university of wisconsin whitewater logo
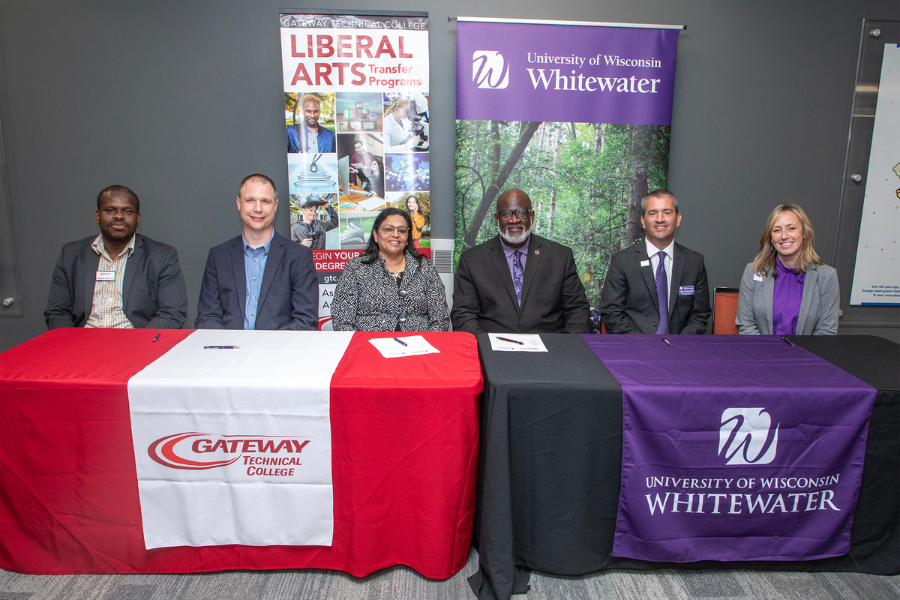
490 70
745 438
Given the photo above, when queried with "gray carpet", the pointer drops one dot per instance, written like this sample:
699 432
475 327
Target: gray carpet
406 584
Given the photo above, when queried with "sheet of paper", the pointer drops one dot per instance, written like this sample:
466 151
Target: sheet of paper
516 342
371 204
414 344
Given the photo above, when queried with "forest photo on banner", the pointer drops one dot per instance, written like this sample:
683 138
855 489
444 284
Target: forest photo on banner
578 116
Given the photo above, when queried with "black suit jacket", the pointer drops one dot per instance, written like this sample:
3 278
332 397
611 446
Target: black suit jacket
153 292
288 294
553 300
629 303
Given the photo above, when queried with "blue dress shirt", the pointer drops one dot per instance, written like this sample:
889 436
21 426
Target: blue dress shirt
254 267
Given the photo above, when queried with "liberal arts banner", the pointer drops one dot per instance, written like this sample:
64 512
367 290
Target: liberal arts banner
735 448
232 439
576 115
357 132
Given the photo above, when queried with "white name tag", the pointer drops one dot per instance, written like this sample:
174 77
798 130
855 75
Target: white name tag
106 275
757 277
686 290
645 263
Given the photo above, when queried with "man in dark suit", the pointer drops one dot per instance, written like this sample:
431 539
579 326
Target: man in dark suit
518 282
656 285
258 280
118 279
309 136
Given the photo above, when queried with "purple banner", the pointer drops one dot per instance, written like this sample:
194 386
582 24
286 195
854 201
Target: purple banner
583 74
735 448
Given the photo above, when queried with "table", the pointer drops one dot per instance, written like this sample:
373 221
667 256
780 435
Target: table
404 460
550 462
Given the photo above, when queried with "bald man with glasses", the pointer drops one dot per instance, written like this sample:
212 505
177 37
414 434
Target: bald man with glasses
518 282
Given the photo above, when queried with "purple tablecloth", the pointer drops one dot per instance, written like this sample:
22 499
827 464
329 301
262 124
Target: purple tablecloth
735 448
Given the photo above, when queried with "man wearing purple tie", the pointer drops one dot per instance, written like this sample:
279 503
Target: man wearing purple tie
518 282
656 285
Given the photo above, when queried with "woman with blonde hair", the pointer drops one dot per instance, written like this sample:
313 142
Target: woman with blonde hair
396 126
787 290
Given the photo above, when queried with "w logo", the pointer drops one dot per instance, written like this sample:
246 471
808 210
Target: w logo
489 70
745 437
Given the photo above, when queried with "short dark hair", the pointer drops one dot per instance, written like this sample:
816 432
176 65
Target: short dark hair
120 189
371 253
658 194
260 178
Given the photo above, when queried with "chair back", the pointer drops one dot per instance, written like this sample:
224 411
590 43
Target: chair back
725 302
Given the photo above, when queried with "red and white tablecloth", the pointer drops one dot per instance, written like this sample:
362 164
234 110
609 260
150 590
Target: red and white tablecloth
404 435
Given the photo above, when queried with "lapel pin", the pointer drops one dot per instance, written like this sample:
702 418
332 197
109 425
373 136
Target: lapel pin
537 251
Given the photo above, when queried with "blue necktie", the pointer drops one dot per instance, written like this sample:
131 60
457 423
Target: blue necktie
518 276
662 291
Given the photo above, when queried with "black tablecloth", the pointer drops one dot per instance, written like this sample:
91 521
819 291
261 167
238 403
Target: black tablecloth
551 453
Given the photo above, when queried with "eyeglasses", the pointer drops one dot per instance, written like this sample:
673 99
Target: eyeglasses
506 215
389 229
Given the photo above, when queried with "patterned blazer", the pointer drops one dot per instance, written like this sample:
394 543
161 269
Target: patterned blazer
367 298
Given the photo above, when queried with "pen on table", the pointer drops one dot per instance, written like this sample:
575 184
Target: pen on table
510 341
790 343
221 347
156 337
668 342
399 341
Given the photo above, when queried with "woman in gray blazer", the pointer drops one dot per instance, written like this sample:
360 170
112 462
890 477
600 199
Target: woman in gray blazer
787 290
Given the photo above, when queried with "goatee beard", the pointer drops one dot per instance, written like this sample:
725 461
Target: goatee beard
514 239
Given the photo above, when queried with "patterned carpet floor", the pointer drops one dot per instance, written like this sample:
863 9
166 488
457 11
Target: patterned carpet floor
401 583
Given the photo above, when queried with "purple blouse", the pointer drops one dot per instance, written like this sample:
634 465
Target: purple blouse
787 299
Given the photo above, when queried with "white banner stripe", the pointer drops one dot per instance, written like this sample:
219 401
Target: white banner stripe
230 441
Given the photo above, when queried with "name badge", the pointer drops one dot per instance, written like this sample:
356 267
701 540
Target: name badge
757 277
645 263
106 275
686 290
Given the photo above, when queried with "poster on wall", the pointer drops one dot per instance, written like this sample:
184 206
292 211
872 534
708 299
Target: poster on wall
357 133
876 277
577 115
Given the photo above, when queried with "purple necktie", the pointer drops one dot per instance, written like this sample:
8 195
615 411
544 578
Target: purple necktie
518 276
662 291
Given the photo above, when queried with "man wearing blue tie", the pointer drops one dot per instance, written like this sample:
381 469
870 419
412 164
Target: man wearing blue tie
656 285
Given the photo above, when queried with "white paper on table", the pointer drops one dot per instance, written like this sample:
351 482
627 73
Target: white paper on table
530 342
415 344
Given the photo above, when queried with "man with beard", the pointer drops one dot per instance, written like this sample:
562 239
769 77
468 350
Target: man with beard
117 279
656 285
309 136
518 282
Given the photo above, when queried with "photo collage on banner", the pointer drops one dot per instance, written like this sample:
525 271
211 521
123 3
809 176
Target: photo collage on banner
357 130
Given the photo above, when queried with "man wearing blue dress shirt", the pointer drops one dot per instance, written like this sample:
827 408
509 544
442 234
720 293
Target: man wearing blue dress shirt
258 280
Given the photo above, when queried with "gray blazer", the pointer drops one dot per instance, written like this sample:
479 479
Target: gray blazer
153 291
818 308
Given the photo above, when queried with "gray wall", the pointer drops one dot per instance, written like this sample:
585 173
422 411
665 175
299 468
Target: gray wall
178 100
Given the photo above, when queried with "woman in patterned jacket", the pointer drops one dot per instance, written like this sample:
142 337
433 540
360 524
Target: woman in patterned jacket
390 287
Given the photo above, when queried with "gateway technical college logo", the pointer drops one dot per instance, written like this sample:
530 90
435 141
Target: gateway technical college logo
196 451
489 70
745 438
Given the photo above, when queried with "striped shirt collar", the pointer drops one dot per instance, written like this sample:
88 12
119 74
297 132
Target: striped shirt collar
100 247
